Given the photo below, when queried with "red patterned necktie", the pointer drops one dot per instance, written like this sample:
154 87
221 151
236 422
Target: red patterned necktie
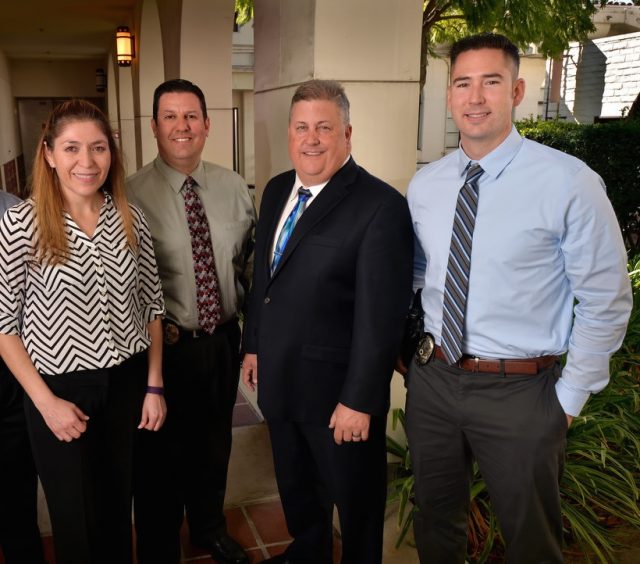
204 266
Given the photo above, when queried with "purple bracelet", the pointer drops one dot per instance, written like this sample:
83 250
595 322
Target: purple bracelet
155 390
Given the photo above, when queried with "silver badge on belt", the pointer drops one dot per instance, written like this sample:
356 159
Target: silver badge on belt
425 349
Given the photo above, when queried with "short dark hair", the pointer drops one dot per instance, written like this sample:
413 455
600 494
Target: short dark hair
485 41
330 90
178 85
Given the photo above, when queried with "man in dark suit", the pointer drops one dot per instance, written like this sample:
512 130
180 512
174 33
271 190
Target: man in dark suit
331 287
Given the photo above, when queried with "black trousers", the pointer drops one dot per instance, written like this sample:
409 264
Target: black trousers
19 534
184 465
88 481
314 473
515 428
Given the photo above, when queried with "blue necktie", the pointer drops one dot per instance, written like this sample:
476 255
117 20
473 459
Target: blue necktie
456 285
289 224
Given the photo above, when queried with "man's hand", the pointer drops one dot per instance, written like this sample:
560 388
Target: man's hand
250 371
349 425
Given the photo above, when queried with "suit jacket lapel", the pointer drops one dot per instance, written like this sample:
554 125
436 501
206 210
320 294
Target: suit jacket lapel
329 198
274 217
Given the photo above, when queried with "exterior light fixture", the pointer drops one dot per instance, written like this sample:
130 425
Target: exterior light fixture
125 46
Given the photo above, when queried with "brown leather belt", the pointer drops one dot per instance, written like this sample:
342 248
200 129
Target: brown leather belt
530 366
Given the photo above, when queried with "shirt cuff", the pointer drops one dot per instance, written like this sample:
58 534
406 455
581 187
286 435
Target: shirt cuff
9 325
572 401
151 312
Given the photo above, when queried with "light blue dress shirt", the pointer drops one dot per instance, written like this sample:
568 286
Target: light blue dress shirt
545 234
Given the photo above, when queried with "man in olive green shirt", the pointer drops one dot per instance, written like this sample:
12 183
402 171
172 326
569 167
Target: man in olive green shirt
184 466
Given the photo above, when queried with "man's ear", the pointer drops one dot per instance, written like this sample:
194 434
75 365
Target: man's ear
518 91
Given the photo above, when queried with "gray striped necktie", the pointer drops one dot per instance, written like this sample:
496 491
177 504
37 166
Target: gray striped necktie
456 284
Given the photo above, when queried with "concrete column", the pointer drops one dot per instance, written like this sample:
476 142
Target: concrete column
371 46
205 58
434 110
151 73
127 120
113 104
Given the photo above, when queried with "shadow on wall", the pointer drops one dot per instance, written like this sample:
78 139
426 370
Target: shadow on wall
590 72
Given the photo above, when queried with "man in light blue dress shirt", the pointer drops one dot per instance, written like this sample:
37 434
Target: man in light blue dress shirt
547 276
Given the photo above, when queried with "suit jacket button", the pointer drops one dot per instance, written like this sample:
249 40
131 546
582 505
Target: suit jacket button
267 300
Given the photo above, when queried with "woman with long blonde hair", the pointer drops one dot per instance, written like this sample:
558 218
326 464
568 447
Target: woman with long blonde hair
80 328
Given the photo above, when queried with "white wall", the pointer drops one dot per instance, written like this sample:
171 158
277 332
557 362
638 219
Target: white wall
600 77
534 72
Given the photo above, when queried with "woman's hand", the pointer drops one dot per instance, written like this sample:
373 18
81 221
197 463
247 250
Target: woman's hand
65 419
154 411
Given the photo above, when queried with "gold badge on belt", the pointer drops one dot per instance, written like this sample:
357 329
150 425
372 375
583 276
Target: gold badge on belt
171 333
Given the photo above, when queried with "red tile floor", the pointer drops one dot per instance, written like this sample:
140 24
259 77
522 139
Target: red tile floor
259 526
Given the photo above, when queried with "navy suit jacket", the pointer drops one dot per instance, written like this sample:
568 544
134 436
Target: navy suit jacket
327 325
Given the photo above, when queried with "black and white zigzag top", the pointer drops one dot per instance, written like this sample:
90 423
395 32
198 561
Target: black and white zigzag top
90 312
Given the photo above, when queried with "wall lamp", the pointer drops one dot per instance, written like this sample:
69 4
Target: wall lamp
125 46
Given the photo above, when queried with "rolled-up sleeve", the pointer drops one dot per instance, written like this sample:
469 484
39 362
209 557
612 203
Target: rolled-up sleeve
15 245
149 287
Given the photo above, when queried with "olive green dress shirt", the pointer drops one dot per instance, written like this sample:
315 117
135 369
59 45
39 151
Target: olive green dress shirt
156 189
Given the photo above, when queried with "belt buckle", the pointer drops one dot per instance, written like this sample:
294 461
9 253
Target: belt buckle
170 333
425 350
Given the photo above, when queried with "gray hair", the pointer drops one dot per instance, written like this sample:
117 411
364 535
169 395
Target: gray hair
330 90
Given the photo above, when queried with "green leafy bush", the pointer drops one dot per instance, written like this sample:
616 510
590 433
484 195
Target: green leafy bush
600 485
611 149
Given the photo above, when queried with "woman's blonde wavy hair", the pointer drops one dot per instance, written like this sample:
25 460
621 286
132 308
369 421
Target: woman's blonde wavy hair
51 240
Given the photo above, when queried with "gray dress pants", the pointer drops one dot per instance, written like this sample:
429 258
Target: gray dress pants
515 428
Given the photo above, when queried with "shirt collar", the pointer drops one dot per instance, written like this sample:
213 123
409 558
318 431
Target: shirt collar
315 189
176 178
497 160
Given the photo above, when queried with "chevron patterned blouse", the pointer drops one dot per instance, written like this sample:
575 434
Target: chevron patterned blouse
90 312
